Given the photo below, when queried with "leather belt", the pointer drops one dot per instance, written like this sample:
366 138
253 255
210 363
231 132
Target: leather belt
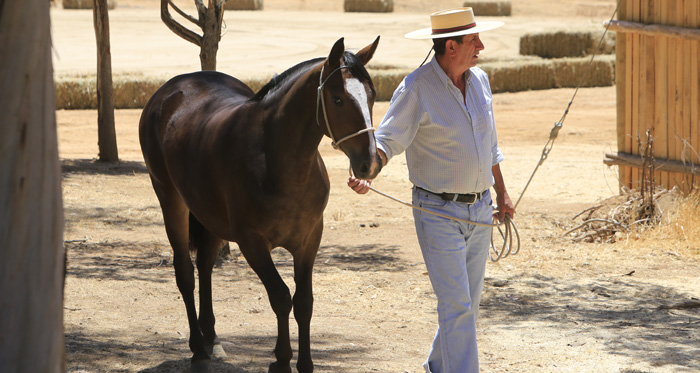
468 198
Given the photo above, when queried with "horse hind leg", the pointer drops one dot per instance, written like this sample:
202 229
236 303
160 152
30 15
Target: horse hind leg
257 254
207 246
176 219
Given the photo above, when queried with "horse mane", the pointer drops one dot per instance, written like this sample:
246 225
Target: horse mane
292 74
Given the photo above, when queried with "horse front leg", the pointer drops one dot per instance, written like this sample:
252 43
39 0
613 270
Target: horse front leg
304 299
257 253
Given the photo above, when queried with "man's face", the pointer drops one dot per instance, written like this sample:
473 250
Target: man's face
468 51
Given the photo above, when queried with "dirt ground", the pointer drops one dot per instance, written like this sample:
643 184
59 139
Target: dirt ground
557 306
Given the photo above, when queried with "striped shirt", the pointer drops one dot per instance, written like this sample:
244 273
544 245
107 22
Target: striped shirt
450 141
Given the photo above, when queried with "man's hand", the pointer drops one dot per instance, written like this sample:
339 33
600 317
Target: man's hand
358 185
505 206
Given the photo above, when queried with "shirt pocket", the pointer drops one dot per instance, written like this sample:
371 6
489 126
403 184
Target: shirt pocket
484 116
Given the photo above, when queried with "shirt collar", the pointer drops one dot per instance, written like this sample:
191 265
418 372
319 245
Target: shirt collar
446 79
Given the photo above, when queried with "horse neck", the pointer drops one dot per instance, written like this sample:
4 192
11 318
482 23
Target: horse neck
291 124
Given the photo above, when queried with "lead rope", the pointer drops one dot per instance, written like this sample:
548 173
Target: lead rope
506 228
558 125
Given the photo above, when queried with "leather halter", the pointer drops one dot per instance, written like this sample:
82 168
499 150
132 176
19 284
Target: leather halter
320 101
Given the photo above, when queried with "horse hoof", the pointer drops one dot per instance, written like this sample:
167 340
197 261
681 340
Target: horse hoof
217 352
200 366
277 368
305 367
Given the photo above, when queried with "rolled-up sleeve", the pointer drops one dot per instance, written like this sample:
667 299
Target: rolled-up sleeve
400 124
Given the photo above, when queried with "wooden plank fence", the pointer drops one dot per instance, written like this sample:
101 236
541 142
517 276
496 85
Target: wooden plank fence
658 90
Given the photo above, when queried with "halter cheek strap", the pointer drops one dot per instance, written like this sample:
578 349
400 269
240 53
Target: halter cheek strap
320 101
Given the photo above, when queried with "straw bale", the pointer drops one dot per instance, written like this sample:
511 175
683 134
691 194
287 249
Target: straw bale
372 6
134 93
568 72
386 81
534 74
130 91
529 73
489 8
514 76
243 5
86 4
566 43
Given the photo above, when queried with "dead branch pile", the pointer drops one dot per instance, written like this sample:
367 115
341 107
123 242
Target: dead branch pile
618 216
636 210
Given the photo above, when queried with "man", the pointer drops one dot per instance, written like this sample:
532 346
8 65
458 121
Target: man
441 115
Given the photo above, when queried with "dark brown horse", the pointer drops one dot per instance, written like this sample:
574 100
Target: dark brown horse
230 164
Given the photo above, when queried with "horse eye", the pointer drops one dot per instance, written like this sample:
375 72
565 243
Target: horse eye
337 100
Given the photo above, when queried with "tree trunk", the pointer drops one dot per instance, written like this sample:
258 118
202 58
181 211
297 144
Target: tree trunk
106 134
210 18
211 35
32 260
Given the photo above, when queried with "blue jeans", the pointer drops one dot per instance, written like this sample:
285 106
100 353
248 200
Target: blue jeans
455 255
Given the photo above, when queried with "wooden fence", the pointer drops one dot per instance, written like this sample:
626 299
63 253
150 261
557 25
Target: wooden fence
658 90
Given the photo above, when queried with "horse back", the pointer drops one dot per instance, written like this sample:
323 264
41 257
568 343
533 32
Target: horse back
183 105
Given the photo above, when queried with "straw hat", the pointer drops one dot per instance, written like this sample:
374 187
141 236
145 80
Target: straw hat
453 22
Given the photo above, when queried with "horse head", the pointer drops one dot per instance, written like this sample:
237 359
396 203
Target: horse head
344 107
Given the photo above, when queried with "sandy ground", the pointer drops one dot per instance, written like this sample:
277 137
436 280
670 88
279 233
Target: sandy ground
557 306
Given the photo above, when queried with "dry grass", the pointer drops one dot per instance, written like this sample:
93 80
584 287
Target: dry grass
673 227
678 232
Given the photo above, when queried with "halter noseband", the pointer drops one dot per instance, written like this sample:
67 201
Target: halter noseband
320 101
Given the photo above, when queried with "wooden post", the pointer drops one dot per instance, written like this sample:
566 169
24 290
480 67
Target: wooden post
106 133
31 217
621 84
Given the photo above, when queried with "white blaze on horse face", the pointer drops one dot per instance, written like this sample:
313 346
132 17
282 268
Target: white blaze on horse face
357 91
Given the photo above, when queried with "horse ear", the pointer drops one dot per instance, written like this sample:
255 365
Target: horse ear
367 52
334 58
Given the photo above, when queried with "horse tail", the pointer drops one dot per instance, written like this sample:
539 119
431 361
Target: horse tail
197 234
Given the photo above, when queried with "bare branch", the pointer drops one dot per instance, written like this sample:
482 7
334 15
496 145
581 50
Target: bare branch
611 222
185 15
177 28
201 8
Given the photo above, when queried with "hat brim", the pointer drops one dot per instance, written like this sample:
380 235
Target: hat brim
427 33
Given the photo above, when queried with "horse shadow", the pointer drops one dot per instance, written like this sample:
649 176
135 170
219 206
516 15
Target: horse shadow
94 167
183 365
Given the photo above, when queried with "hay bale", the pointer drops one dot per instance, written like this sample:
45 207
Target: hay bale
534 74
489 8
80 92
371 6
565 43
243 5
568 72
134 92
130 91
386 81
515 76
86 4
